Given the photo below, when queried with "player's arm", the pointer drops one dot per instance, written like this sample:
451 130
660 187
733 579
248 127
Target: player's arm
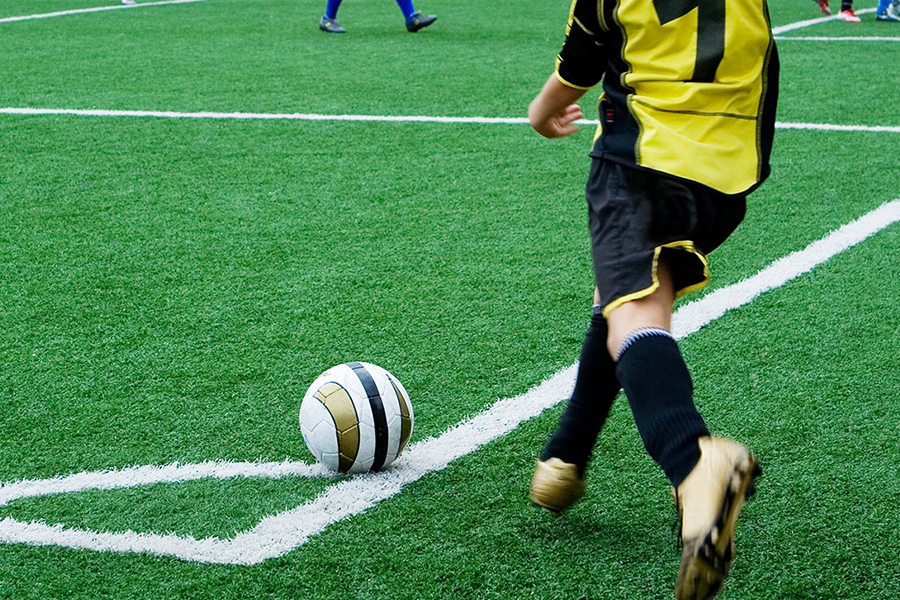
553 112
579 67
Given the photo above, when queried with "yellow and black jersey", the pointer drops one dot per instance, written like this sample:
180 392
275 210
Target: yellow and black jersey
689 86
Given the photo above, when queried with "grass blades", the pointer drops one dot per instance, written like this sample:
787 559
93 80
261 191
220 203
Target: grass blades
171 287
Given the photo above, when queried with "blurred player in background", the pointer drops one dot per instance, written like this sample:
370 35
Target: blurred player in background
888 11
687 122
846 14
414 19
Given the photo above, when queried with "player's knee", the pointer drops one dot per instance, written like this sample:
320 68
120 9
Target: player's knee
612 346
636 314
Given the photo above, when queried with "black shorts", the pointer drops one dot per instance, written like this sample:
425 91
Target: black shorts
637 215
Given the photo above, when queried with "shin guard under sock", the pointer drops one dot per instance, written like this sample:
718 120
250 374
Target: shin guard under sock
596 387
660 392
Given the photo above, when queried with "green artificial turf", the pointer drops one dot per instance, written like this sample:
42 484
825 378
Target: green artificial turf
170 287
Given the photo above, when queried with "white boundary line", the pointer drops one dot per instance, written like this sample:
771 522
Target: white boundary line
811 22
173 473
278 534
241 116
830 127
63 13
837 39
248 116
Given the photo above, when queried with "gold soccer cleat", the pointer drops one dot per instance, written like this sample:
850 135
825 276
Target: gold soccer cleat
556 485
709 501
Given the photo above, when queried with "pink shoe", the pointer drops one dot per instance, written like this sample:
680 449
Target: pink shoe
848 16
823 6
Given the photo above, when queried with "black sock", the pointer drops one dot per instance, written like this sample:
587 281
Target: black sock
660 392
596 387
847 5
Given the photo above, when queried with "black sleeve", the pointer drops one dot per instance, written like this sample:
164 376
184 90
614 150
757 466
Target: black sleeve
582 61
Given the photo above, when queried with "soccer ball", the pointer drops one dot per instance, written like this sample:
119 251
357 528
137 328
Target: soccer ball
356 417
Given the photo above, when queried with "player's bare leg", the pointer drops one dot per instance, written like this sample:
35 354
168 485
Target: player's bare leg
654 310
711 476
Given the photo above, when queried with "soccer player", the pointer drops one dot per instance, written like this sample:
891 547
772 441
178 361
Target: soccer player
687 122
415 20
846 14
888 11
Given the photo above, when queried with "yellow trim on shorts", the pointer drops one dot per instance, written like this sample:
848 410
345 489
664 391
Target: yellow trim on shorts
571 18
687 246
580 24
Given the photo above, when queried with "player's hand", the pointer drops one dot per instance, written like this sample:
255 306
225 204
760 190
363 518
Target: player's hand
556 125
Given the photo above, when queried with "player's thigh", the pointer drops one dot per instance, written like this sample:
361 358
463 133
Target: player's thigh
638 220
654 310
649 238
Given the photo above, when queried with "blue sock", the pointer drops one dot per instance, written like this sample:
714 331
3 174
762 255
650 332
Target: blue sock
407 7
332 8
883 6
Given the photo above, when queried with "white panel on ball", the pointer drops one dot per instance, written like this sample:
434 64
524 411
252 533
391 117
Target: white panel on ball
339 425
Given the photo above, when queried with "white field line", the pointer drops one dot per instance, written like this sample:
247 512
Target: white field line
173 473
830 127
811 22
691 317
278 534
837 39
63 13
262 116
248 116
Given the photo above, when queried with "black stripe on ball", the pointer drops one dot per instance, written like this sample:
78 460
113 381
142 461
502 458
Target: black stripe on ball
378 416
